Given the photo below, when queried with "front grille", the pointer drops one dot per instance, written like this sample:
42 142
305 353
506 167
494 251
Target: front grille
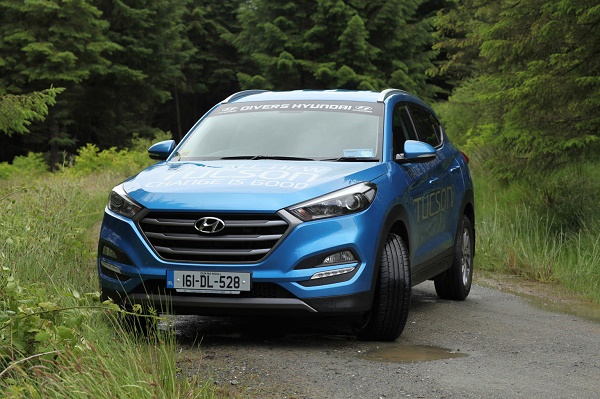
245 238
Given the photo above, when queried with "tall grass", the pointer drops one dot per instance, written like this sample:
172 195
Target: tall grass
518 236
56 339
46 229
112 366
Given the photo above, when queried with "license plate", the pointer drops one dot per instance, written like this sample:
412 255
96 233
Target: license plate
208 282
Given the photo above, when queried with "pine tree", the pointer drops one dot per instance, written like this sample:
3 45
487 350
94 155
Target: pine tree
354 44
271 43
536 65
210 72
146 71
54 42
17 112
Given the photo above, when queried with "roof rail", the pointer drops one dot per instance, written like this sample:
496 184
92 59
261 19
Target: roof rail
388 92
241 94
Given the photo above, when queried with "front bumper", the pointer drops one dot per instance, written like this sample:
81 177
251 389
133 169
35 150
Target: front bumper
232 306
279 285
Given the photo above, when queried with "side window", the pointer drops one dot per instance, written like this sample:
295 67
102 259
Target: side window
428 128
402 127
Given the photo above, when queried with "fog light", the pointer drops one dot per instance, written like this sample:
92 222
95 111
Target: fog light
115 254
331 273
339 257
109 252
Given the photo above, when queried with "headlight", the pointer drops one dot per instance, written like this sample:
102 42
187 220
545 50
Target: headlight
119 202
353 199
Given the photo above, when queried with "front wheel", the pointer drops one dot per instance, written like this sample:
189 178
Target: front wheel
455 283
389 313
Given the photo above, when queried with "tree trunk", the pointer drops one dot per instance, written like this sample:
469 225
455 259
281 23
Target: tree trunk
54 135
178 115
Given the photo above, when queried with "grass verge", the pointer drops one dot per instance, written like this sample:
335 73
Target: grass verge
517 237
56 339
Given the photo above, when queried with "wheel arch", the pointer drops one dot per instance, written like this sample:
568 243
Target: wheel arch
396 222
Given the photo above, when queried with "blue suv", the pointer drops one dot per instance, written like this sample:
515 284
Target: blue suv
302 202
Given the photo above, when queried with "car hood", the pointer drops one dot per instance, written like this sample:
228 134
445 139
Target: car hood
247 186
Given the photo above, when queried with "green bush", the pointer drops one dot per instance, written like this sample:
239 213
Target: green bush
5 170
35 322
33 164
90 159
141 144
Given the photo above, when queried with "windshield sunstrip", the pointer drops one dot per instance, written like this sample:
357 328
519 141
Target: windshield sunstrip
295 106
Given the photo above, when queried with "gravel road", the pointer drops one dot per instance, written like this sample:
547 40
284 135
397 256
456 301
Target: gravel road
493 345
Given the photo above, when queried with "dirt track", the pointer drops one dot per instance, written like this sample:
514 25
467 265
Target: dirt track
493 345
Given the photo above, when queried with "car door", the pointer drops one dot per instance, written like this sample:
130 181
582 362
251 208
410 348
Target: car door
417 182
432 193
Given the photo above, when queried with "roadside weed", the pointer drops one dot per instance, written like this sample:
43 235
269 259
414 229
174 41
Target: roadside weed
56 339
514 236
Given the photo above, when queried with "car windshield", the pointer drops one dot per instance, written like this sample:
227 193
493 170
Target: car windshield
303 130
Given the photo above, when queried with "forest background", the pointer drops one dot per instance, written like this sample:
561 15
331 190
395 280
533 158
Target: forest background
518 79
87 85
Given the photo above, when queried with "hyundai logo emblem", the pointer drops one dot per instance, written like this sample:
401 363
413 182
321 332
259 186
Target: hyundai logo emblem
209 225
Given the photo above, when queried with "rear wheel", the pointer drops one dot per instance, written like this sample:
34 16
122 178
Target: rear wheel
455 283
389 312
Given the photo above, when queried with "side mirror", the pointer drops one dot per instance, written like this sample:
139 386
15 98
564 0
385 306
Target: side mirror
161 150
416 152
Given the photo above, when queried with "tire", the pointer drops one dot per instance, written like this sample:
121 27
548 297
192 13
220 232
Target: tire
391 303
455 283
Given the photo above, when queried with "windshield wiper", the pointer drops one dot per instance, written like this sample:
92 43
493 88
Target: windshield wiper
278 157
352 159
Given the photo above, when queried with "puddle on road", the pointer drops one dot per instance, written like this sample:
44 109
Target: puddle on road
410 353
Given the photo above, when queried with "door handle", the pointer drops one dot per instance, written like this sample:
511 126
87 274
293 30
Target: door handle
454 169
433 180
